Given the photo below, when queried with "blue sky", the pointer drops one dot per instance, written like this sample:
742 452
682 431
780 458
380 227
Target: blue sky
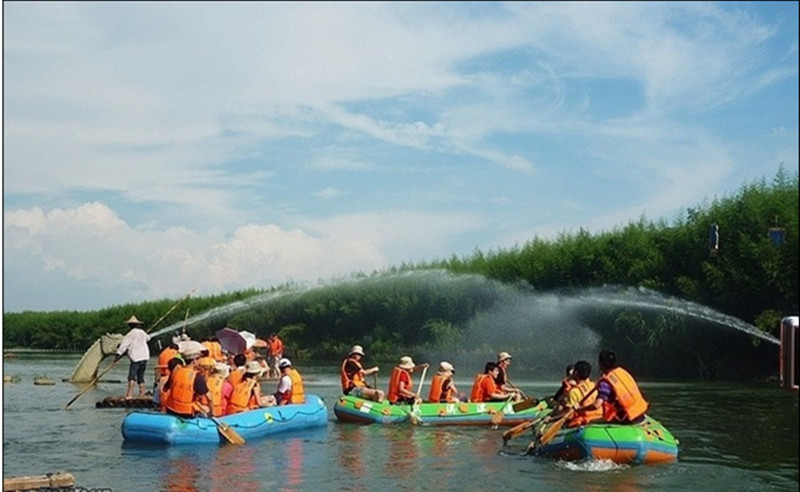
151 148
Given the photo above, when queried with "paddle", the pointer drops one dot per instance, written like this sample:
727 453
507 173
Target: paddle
517 430
227 431
413 414
497 417
525 404
95 380
556 426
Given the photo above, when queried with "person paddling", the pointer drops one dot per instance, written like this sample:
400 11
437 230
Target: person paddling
400 383
484 388
618 395
443 390
501 379
353 376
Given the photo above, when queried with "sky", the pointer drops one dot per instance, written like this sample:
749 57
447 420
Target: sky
152 148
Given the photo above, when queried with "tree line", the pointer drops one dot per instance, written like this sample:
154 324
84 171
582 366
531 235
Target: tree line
737 254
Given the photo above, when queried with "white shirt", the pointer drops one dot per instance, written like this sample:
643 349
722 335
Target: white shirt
285 384
135 343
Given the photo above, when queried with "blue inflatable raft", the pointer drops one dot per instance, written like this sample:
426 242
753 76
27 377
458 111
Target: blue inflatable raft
162 428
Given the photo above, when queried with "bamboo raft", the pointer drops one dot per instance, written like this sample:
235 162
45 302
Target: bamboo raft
121 402
51 481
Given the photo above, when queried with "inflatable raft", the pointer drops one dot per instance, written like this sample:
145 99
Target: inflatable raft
162 428
359 410
645 443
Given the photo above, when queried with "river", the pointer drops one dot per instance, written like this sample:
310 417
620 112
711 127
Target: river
733 436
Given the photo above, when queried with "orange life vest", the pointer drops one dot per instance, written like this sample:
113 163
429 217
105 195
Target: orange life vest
629 403
163 360
181 392
358 378
243 398
236 376
394 384
295 393
215 383
436 395
214 350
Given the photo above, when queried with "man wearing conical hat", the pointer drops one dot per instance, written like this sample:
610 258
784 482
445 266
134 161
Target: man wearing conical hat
135 344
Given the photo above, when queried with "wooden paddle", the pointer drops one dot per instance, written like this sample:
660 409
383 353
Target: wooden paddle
415 419
525 404
497 417
556 426
517 430
94 381
227 431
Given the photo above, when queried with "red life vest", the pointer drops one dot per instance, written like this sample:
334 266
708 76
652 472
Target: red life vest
397 375
358 378
436 393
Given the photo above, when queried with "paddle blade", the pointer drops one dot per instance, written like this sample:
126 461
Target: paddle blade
228 433
556 426
525 404
517 430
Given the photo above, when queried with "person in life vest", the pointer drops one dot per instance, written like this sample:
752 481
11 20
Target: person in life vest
618 395
169 352
214 349
400 384
353 376
501 380
247 392
238 365
582 394
219 389
186 385
484 387
160 394
290 386
443 390
560 396
274 355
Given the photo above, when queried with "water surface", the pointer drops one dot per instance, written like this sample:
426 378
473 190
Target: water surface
733 436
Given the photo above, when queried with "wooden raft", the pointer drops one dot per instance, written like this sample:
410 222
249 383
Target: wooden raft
121 402
51 481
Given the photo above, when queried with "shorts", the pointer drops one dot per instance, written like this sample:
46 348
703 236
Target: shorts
136 371
357 391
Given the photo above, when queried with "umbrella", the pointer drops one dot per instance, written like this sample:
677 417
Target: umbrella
249 337
232 341
260 343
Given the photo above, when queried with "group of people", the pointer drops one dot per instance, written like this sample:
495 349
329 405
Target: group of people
491 385
615 397
201 379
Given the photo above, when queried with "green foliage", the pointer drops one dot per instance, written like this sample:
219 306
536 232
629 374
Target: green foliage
410 307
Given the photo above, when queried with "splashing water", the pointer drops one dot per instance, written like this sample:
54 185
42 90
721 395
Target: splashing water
646 299
522 315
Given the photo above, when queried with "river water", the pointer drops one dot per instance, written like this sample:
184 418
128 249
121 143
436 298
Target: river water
733 436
